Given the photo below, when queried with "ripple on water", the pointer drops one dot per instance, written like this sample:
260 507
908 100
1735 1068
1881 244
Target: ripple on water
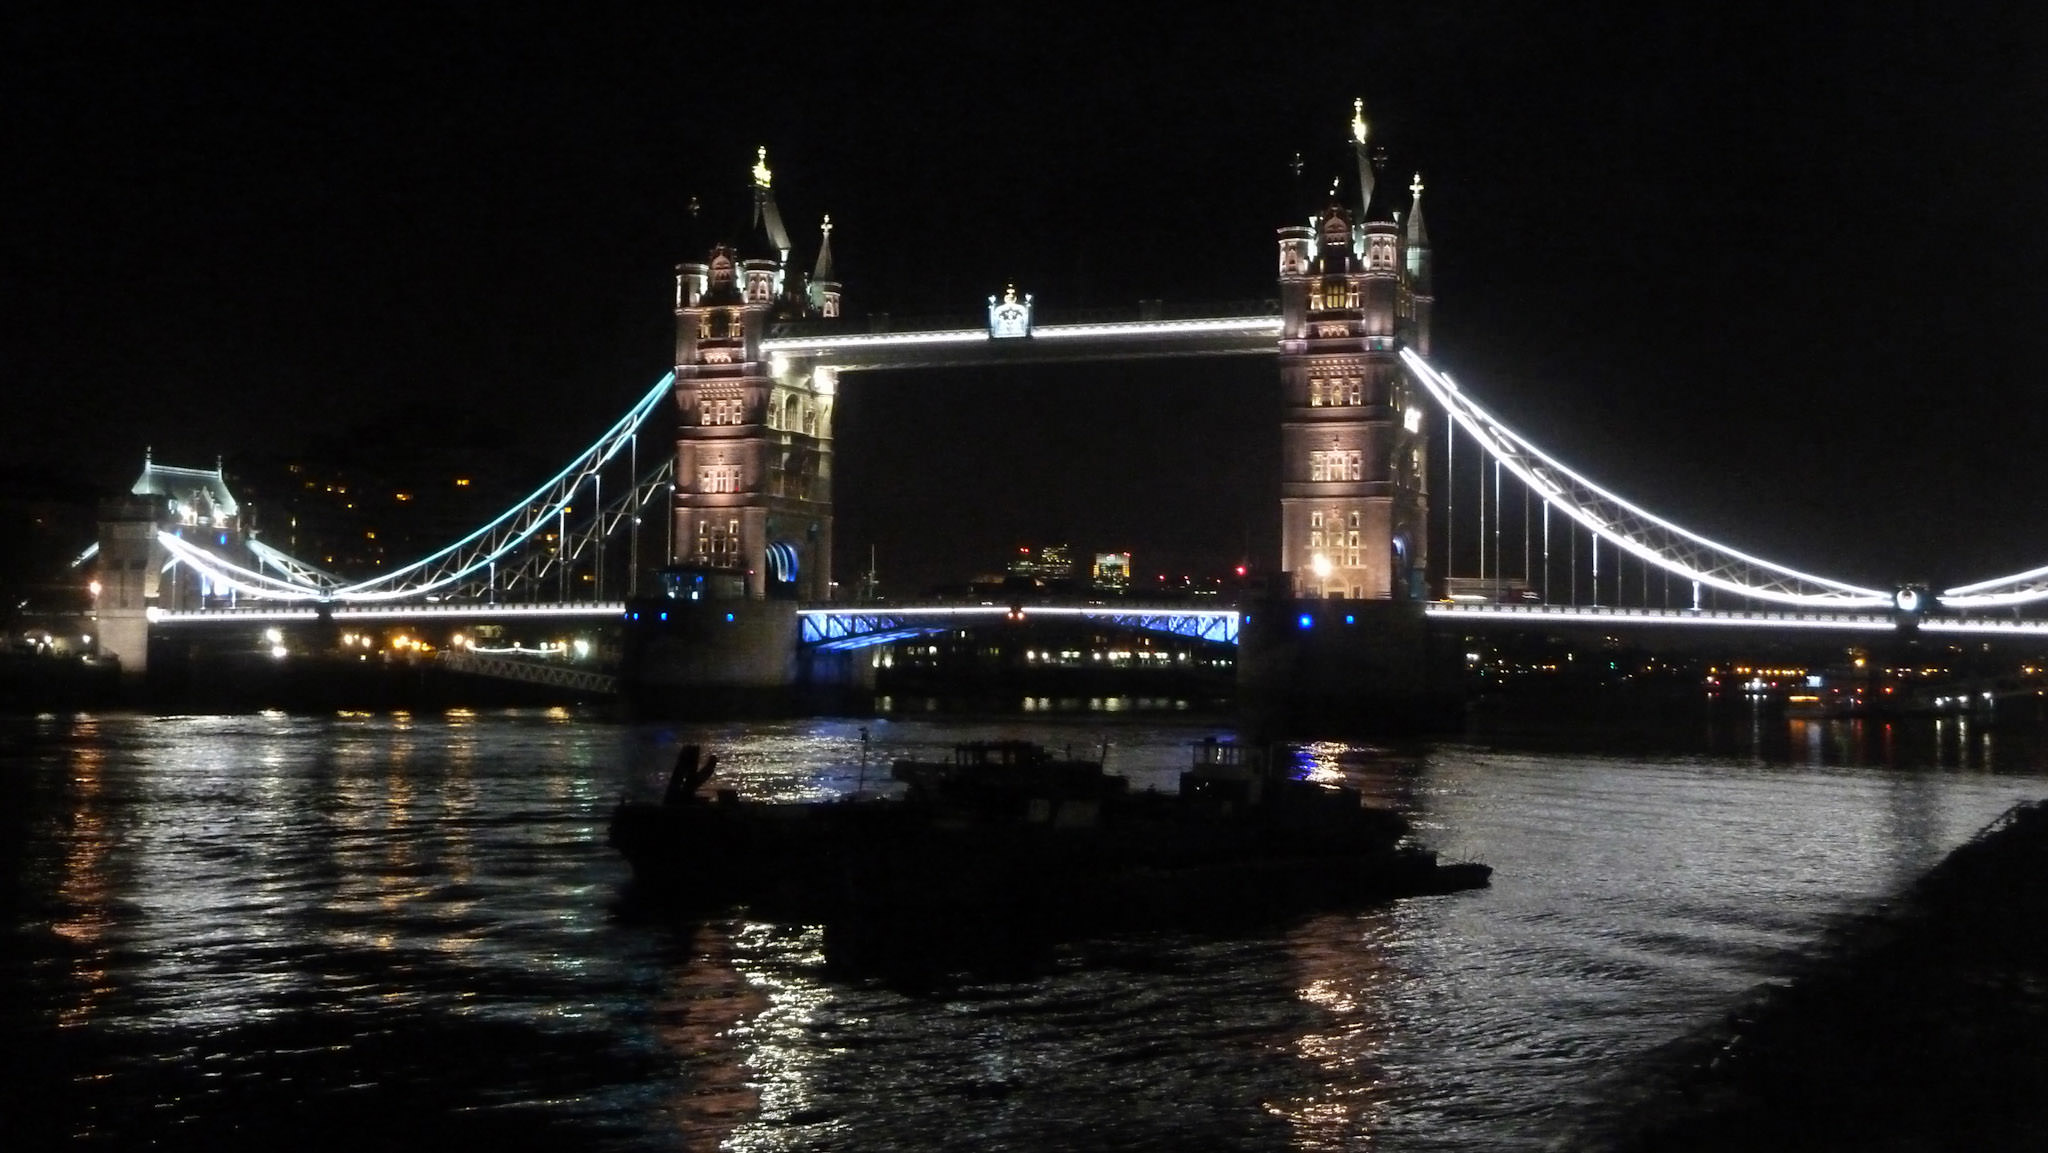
410 927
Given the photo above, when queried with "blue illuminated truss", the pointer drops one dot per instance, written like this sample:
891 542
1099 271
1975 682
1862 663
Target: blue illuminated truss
838 630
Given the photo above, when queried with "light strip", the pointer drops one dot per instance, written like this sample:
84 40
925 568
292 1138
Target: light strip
873 340
385 612
1249 326
1024 610
1517 614
1228 325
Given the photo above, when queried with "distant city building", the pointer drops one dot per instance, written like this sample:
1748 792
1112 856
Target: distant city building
1046 565
1112 572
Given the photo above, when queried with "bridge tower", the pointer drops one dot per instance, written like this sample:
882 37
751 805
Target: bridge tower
753 501
1354 289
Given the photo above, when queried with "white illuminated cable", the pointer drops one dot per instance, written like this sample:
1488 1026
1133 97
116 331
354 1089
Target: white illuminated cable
549 496
2011 599
223 572
1510 450
1976 596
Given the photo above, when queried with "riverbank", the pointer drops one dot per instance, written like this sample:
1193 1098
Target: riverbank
1924 1026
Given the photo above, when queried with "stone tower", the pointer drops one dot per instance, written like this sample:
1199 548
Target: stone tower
753 501
1354 290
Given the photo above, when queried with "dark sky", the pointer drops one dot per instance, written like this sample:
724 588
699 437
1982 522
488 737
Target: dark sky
1779 274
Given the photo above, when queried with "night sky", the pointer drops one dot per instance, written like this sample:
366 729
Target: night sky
1779 275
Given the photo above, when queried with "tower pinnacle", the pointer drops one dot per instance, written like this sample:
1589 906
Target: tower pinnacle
824 268
1363 155
762 177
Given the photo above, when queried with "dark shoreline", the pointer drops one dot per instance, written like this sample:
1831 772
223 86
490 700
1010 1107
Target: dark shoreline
1921 1026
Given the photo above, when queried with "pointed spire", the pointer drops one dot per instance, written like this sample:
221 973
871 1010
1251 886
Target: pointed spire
1417 235
767 226
823 271
1366 179
1415 241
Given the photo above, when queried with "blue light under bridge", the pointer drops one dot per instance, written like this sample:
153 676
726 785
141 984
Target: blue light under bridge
838 630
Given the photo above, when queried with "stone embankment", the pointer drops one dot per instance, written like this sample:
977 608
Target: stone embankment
1924 1027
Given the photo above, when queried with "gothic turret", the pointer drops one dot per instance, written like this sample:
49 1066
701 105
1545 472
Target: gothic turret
693 276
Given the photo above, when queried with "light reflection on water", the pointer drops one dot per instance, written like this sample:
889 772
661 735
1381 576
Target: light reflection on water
398 926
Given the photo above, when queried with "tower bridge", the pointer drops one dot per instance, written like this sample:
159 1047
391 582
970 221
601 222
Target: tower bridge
736 512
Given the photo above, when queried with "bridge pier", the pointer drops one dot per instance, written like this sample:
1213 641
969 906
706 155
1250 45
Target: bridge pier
741 657
1330 667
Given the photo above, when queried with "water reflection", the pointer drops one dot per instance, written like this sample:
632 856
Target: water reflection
1341 971
384 919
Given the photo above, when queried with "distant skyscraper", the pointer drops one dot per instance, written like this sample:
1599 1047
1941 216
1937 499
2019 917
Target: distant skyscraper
1112 572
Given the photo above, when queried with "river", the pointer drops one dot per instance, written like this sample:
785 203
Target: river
397 930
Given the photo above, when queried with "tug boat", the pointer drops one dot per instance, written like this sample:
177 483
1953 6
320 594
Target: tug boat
1006 830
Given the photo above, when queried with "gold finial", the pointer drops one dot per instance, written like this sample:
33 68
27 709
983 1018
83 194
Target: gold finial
827 226
762 176
1358 119
1415 186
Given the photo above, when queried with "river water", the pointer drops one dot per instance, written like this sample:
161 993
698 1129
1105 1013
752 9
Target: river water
396 930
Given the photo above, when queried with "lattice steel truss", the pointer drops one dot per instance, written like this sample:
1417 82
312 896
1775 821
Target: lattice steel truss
838 629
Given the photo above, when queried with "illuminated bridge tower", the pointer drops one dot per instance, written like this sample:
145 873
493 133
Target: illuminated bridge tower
753 504
1354 289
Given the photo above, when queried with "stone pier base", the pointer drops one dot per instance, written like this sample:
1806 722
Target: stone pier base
1345 667
734 658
